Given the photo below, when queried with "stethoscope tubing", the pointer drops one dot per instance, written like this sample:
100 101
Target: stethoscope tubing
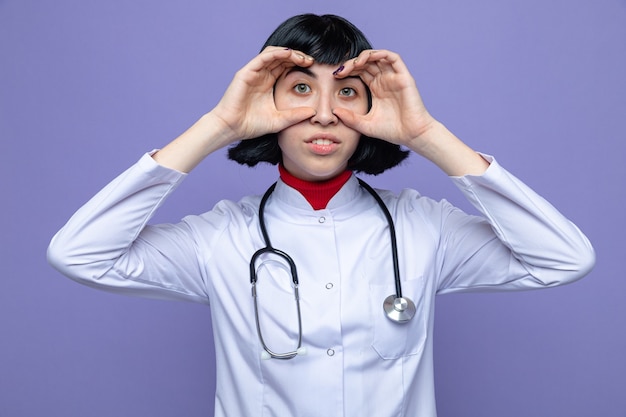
392 233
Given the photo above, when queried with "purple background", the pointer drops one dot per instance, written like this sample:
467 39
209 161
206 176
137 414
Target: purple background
87 86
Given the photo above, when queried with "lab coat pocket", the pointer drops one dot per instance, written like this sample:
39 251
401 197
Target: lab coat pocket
394 340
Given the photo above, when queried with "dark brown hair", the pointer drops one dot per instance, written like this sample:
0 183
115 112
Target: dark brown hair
331 40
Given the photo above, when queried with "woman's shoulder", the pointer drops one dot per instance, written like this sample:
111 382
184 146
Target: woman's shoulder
227 213
410 202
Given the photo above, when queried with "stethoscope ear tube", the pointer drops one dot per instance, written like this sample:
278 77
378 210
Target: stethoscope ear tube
267 352
273 251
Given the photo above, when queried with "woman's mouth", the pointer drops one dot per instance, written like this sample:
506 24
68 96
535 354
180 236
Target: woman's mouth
324 142
323 145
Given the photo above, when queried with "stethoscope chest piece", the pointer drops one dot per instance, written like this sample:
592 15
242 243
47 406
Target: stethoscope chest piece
399 309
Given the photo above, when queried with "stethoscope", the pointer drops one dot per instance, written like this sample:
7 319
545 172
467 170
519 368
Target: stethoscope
397 308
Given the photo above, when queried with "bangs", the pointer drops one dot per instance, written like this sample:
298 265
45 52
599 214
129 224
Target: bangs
329 39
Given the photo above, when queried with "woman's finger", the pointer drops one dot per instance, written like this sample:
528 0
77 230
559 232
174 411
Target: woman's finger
273 56
373 62
295 115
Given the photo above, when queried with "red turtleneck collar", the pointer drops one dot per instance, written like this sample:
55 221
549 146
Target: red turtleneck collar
318 194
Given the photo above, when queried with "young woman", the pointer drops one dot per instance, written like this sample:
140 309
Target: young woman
339 324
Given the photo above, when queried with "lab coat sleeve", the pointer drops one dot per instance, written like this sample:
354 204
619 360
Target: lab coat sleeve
106 243
524 243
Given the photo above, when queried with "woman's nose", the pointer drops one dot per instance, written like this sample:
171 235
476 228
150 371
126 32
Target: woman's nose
324 112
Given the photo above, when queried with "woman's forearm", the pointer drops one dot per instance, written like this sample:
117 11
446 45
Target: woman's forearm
448 152
204 137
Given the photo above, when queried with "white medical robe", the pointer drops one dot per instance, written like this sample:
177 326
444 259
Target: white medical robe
358 362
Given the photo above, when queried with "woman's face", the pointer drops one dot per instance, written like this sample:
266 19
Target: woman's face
318 148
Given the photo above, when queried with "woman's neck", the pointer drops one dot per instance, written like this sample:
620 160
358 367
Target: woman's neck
318 194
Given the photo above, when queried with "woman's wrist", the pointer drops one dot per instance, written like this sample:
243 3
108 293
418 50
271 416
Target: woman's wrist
204 137
444 149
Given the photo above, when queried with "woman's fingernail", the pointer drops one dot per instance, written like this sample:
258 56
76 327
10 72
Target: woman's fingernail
338 70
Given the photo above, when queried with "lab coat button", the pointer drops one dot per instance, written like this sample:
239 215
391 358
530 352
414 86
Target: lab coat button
330 352
321 219
329 286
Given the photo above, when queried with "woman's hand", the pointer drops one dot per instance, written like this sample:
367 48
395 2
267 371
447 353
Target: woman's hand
247 108
398 114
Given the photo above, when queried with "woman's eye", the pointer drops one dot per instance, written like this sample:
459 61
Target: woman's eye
347 91
302 88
